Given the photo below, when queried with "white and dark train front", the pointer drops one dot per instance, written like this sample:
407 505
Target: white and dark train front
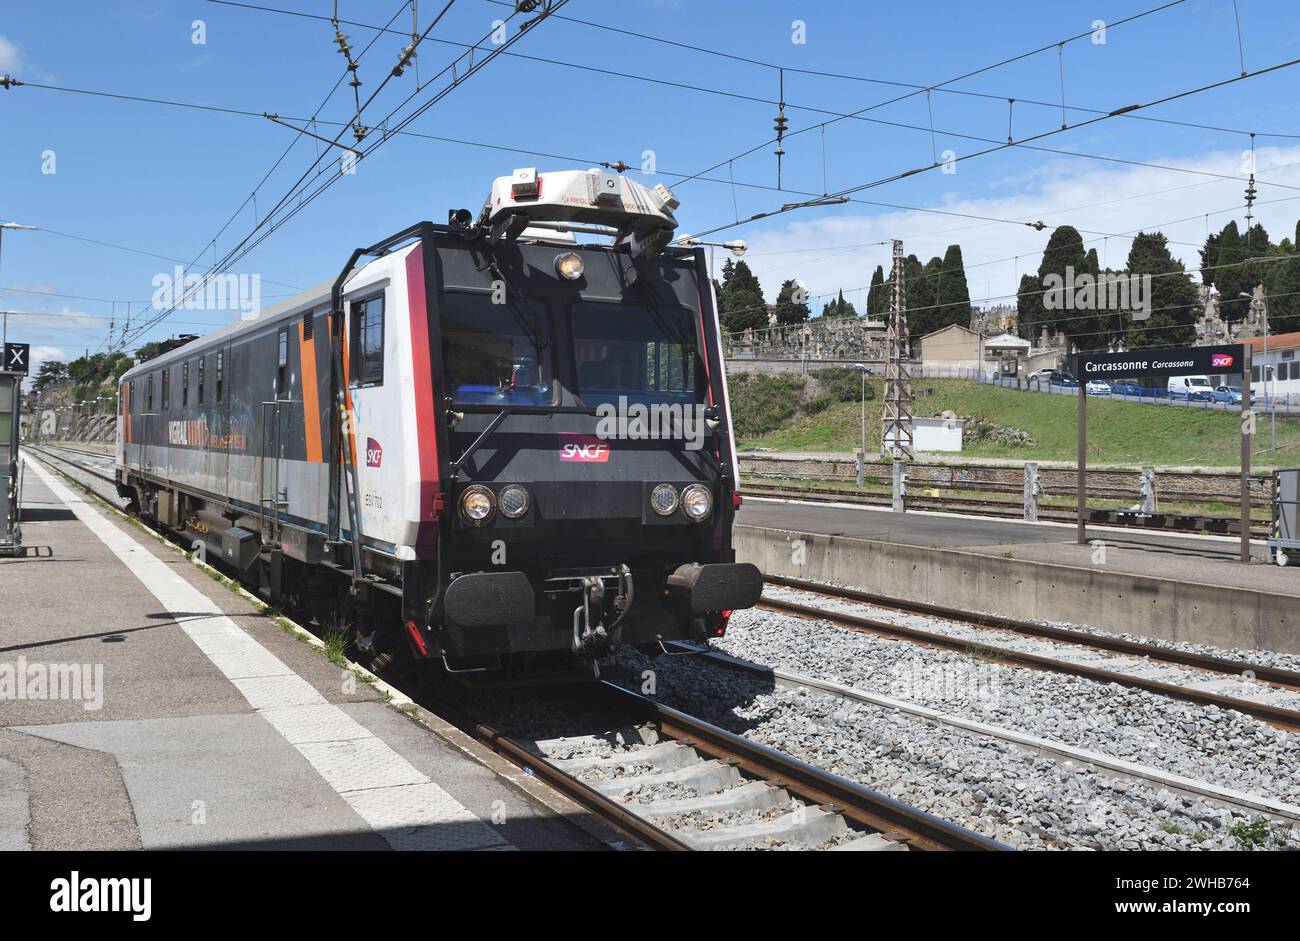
602 565
591 483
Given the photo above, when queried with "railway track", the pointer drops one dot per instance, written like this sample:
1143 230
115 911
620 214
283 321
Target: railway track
1267 693
676 782
718 790
47 450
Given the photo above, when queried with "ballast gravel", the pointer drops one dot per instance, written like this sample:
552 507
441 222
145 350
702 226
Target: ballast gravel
1223 747
987 785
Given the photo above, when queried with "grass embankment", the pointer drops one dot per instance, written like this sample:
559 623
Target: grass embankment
1118 432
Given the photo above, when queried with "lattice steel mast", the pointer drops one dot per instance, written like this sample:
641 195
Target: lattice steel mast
896 417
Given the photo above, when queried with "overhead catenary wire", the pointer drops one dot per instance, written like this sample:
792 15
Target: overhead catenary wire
849 191
305 195
238 252
760 100
940 88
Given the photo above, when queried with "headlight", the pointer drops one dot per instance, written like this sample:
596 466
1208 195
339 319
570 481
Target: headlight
697 502
663 500
477 505
569 266
513 501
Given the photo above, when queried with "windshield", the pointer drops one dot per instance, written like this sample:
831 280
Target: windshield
1199 382
645 354
497 354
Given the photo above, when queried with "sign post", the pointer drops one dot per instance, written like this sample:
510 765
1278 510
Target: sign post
1164 364
1247 429
1081 537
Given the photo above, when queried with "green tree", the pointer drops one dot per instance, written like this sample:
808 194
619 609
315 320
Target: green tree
742 302
147 352
1029 307
878 295
921 288
1174 301
1233 275
1063 261
1209 259
953 294
792 304
1284 296
839 308
1257 242
51 374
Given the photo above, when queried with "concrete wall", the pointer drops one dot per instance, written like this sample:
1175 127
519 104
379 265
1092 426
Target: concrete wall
739 364
953 344
1151 607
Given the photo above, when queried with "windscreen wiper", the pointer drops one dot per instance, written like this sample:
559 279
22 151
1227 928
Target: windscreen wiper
496 421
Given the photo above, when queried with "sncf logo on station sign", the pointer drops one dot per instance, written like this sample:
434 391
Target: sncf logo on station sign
1221 361
374 453
583 448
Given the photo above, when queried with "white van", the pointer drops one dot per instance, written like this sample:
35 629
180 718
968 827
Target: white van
1190 387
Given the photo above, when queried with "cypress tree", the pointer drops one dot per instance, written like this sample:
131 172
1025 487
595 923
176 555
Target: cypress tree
953 295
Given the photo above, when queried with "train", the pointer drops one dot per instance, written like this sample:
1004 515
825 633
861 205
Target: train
500 445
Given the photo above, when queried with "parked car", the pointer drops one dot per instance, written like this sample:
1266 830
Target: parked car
1097 387
1050 377
1226 394
1127 387
1192 388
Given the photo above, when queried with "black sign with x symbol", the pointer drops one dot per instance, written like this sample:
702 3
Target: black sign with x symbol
15 358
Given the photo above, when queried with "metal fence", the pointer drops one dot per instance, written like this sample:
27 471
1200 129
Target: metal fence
1281 402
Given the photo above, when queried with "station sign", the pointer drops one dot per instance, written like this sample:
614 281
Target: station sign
1162 363
15 358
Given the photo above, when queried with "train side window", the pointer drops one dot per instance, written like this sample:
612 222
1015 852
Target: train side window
203 360
221 363
282 365
185 384
166 387
368 342
148 395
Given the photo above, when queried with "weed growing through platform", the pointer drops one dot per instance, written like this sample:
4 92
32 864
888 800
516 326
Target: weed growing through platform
336 645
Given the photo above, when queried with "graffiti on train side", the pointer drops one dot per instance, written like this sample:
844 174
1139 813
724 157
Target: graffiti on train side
195 434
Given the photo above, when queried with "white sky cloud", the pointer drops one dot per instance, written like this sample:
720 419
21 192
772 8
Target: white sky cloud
1102 198
11 59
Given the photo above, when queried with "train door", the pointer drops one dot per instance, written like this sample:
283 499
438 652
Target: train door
272 494
215 382
275 416
148 423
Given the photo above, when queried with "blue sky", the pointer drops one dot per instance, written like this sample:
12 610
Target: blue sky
164 180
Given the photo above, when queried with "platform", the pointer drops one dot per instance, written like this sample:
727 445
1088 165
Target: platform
173 715
1209 559
1173 587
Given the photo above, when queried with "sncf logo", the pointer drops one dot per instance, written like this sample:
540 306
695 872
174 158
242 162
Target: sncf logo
1220 360
583 448
374 453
